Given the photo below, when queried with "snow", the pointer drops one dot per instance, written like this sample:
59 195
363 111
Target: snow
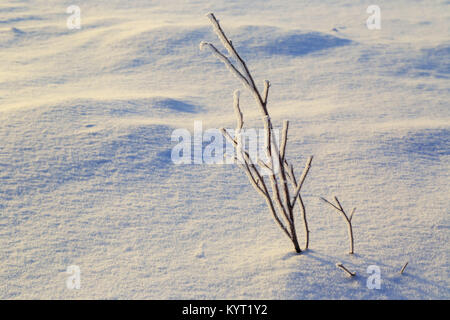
85 143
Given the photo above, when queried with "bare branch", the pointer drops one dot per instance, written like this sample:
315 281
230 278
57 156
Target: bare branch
340 209
302 179
228 137
237 109
285 208
291 176
231 50
403 268
254 181
284 140
275 216
340 265
262 164
227 62
305 221
331 204
352 213
266 91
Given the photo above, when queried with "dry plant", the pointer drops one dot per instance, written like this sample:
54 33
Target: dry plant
404 267
282 199
348 219
341 266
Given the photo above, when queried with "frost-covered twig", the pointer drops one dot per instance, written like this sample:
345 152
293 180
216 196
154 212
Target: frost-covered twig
302 178
348 219
226 61
340 265
279 201
298 196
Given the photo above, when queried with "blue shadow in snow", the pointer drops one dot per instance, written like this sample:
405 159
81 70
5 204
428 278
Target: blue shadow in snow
435 59
299 44
176 105
430 144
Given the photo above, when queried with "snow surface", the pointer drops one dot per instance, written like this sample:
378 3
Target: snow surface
87 179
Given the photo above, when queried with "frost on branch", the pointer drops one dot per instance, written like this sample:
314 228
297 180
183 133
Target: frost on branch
348 220
281 199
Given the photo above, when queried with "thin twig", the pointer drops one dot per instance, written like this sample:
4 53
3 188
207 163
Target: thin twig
351 214
237 109
284 140
340 265
348 220
403 268
331 204
302 179
226 61
291 175
266 91
231 50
